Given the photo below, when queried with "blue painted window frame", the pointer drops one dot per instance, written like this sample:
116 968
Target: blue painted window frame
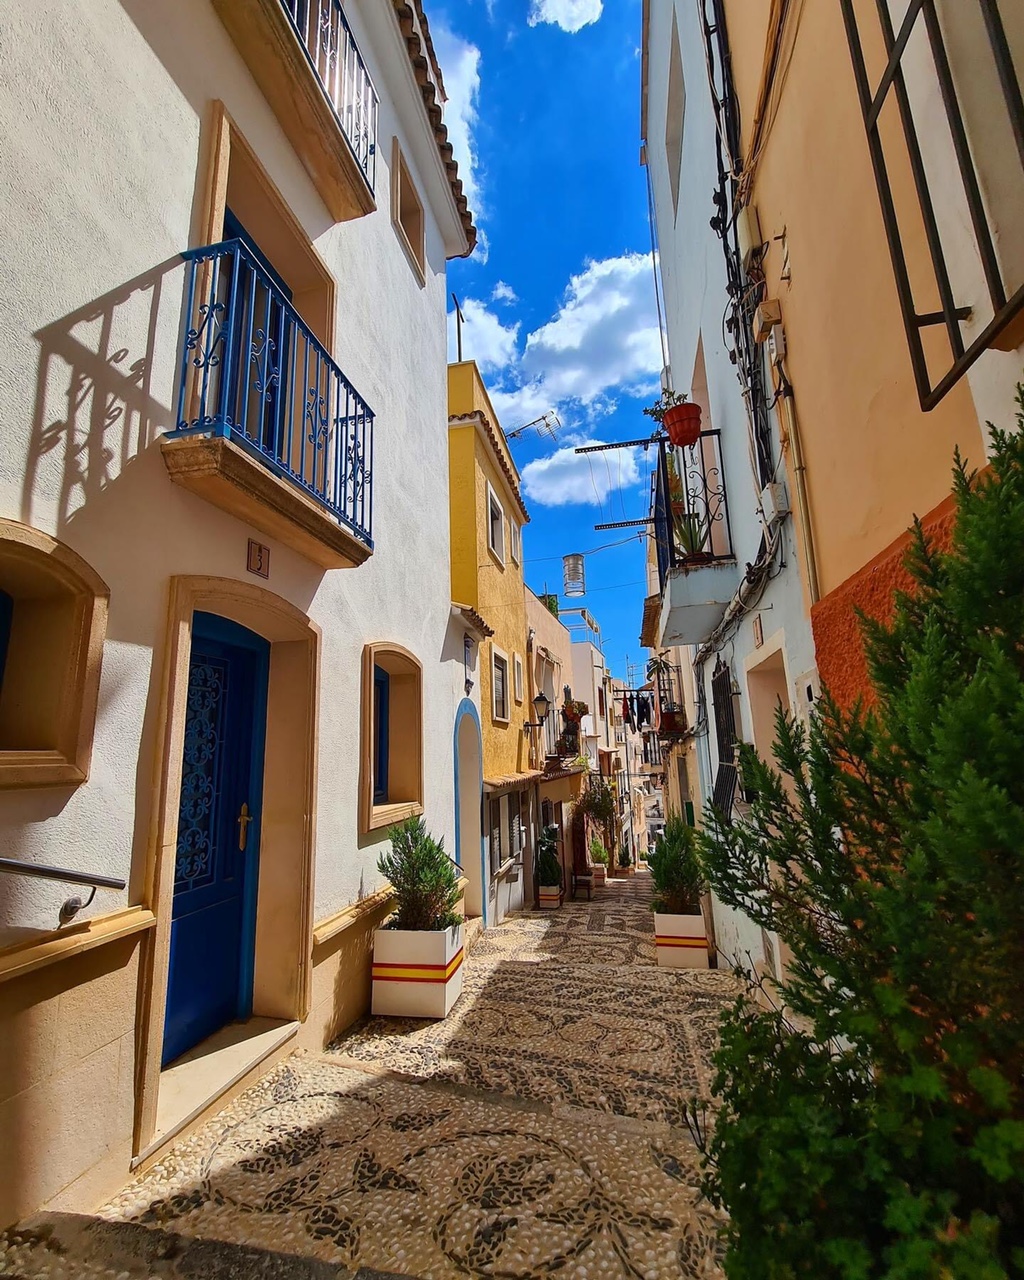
381 734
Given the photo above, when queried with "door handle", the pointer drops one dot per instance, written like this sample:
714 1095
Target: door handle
243 825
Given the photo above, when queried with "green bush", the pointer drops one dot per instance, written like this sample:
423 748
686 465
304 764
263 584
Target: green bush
625 857
872 1123
598 853
548 869
675 869
425 880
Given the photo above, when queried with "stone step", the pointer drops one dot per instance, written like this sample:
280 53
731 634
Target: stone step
473 930
62 1246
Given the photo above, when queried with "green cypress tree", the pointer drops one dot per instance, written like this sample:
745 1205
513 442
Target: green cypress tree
869 1122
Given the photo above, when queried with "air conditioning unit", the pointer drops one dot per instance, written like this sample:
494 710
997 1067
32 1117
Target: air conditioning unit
774 502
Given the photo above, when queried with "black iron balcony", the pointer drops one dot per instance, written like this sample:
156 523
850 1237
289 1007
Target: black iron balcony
691 520
253 373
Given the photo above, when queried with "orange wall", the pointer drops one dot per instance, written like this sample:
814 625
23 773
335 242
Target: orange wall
873 457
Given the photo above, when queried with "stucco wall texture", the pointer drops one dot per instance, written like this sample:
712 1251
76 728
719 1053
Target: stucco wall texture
842 665
494 588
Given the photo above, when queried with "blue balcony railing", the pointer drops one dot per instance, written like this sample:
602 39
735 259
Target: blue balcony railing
326 37
252 370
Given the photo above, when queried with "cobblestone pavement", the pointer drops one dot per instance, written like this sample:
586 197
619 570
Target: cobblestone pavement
537 1131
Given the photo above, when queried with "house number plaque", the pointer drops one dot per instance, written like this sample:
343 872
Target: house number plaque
259 559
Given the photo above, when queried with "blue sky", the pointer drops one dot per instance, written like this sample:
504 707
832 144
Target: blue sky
544 114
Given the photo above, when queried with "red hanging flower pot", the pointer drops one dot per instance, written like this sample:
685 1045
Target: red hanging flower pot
682 422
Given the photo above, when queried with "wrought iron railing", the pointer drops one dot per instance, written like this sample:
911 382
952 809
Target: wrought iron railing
688 507
252 370
326 37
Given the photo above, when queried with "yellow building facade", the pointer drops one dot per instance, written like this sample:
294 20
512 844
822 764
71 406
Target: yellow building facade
487 519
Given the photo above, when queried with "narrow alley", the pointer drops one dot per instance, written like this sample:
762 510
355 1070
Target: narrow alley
538 1130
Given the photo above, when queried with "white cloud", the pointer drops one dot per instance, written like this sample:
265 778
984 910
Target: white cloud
603 339
570 15
460 66
602 343
566 477
503 292
485 339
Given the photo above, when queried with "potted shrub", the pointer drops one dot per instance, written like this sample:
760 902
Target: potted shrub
417 955
679 933
599 858
548 870
625 861
678 416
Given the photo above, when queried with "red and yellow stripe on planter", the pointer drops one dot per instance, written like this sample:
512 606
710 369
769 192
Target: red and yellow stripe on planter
681 941
417 974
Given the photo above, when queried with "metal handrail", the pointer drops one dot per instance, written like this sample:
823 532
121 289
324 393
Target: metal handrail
38 870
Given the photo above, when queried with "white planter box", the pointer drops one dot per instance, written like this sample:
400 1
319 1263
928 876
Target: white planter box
549 896
600 873
681 941
417 974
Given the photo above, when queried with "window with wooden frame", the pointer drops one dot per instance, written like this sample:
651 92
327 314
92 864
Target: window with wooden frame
515 542
499 685
495 525
53 615
517 673
391 778
407 213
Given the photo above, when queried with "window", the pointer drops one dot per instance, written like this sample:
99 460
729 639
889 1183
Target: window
495 808
515 542
381 691
515 824
495 525
391 765
961 60
674 116
407 212
53 612
517 668
499 685
600 703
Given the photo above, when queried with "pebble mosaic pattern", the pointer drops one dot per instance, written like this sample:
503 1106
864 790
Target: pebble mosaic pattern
539 1021
535 1132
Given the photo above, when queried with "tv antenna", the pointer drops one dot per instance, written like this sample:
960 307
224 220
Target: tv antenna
546 425
459 320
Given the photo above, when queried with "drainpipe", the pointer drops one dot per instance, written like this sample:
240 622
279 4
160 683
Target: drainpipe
791 435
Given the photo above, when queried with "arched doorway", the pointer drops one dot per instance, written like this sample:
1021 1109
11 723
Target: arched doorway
469 782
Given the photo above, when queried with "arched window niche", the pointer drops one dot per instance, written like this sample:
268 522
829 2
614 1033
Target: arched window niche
53 618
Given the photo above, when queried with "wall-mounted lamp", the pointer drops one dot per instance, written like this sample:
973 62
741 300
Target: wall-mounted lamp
541 707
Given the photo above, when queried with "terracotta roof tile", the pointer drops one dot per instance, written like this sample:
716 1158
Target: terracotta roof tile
412 20
499 453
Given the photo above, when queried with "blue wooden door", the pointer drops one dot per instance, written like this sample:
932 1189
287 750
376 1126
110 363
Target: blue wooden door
216 868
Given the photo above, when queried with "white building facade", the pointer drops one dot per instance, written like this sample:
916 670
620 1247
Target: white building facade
224 546
722 503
